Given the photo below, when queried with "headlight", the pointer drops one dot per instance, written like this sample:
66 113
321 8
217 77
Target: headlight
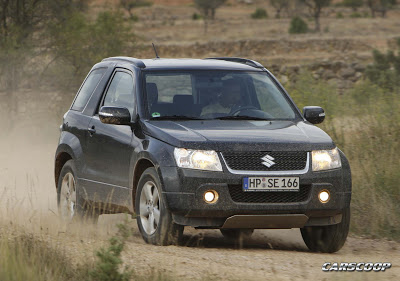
326 160
197 159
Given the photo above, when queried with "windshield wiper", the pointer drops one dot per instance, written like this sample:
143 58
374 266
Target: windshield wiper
176 117
241 117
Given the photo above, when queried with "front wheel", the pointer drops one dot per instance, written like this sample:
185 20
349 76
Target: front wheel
327 239
153 218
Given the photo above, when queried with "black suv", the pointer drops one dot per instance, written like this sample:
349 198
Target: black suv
208 143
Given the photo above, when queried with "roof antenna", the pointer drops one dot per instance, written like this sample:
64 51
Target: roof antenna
155 50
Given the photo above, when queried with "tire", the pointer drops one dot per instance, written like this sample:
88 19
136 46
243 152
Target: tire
327 239
153 218
236 234
71 204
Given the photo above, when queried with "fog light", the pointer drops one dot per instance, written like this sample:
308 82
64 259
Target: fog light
211 196
324 196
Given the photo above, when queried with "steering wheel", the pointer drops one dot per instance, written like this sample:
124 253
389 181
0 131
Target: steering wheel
235 112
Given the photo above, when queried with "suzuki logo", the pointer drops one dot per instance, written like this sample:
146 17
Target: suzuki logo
268 161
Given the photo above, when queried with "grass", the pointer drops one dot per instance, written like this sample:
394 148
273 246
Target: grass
365 123
25 256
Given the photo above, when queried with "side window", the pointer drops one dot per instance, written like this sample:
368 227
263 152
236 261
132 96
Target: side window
87 89
120 93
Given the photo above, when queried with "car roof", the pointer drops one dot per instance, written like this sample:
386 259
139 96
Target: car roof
191 64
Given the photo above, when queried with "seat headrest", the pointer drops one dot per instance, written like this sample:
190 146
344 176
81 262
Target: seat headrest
152 93
183 99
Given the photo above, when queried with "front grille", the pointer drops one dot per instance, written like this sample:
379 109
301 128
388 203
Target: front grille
251 161
240 196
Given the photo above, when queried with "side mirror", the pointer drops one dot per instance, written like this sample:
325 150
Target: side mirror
314 114
115 115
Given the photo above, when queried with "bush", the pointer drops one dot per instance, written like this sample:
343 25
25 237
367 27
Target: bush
196 16
339 15
356 15
298 25
259 13
385 70
108 266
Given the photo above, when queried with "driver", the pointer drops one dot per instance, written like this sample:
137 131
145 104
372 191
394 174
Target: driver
229 100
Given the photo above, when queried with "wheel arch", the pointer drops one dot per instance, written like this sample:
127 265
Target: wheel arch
61 159
141 165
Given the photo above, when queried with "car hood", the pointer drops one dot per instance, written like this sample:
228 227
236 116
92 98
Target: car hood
239 135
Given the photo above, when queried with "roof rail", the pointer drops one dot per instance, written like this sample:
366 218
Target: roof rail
134 61
239 60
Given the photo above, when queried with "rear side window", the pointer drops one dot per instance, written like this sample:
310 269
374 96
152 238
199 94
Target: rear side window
87 89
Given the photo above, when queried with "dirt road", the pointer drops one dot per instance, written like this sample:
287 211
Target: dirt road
28 199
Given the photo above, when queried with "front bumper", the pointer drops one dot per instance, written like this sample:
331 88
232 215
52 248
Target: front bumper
184 189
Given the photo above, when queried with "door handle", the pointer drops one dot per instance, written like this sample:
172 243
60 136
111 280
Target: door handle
92 130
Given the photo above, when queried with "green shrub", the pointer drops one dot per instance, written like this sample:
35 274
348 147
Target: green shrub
259 13
339 15
196 16
298 25
108 266
385 70
356 15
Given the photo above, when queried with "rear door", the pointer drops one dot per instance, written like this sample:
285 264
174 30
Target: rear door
110 147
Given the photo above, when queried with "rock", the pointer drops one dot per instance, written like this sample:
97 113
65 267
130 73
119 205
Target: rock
359 67
334 82
284 79
328 74
296 68
325 63
347 72
337 65
320 71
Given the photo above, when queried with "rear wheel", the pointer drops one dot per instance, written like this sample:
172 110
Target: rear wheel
153 218
236 234
327 239
71 205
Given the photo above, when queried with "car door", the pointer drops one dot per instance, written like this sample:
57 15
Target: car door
110 147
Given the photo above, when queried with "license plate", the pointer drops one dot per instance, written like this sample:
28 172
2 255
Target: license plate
271 184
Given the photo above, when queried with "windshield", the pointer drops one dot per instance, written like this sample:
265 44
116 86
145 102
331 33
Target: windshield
215 95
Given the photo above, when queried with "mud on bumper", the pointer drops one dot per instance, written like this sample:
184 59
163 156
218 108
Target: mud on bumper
238 209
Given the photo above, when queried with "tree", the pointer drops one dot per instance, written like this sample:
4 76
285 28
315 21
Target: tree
207 9
80 43
315 7
384 6
354 4
129 5
279 5
297 26
385 70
